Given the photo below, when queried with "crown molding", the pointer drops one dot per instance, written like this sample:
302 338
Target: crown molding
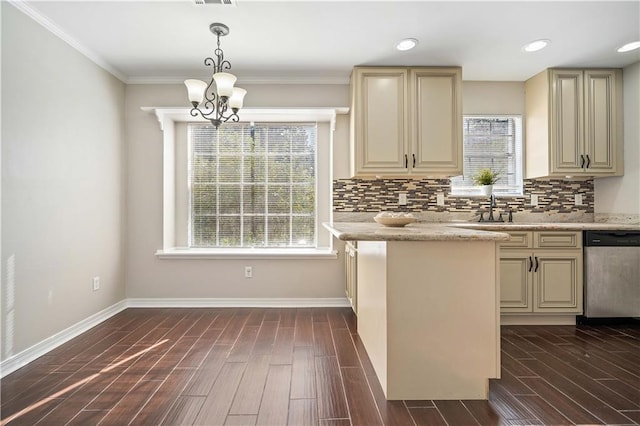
247 80
55 30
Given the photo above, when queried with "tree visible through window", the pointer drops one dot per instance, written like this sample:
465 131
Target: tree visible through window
253 185
493 142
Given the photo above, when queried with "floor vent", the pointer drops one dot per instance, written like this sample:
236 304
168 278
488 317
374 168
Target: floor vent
218 2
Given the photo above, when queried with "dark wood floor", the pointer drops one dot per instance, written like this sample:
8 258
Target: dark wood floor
307 366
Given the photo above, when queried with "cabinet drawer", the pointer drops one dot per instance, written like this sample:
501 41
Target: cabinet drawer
557 239
519 239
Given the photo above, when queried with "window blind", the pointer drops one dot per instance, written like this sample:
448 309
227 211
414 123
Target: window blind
253 185
493 142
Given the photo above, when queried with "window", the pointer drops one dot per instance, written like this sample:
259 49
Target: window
493 142
252 185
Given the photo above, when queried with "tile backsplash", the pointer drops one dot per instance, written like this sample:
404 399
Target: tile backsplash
555 196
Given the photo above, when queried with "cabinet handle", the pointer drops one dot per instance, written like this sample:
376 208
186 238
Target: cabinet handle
588 161
530 263
406 162
536 270
582 161
414 160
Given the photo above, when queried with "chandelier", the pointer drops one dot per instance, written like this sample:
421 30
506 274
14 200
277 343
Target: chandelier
221 102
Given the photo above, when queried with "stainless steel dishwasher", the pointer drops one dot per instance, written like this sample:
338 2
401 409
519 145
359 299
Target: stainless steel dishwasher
611 275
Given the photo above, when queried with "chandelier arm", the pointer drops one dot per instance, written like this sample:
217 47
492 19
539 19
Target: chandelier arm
210 108
233 118
225 65
195 111
210 62
209 94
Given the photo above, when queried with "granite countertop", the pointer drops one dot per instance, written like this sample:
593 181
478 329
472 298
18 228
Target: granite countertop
458 231
545 226
368 231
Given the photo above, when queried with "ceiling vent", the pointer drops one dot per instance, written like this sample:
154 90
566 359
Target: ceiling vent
216 2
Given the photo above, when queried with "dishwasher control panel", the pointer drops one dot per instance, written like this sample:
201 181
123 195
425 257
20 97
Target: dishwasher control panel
612 238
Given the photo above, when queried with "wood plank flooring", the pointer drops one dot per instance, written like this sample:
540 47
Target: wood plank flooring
307 367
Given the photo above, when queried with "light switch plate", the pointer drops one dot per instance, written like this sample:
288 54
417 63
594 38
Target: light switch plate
578 199
402 199
440 199
534 199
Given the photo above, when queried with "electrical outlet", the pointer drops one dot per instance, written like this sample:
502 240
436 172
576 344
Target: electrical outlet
534 199
402 199
440 199
96 283
578 199
248 272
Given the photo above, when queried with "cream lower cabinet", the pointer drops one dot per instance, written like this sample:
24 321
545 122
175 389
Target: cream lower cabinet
544 276
406 121
351 274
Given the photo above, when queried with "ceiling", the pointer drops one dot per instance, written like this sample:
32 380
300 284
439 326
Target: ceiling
320 41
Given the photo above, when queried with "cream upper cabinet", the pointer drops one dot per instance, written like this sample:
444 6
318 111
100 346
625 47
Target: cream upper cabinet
406 121
379 120
574 123
541 272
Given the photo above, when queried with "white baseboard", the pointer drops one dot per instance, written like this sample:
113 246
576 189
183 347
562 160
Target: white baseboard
327 302
524 319
21 359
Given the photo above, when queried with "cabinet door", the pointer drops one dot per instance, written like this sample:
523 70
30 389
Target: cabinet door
557 285
436 120
567 139
351 272
381 124
515 280
600 122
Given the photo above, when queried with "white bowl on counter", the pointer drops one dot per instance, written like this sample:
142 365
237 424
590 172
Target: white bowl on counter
394 219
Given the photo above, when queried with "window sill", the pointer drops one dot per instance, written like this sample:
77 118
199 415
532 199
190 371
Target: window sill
479 195
192 253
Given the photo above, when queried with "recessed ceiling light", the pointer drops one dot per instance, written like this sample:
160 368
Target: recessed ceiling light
629 47
534 46
406 44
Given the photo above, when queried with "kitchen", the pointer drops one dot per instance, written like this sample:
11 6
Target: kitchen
126 218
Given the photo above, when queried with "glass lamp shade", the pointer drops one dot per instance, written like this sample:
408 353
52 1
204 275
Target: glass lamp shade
195 90
224 83
237 97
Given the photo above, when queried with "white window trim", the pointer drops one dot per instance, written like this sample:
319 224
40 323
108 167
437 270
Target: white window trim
168 117
476 192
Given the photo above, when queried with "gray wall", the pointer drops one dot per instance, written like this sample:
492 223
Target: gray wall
67 176
62 184
150 277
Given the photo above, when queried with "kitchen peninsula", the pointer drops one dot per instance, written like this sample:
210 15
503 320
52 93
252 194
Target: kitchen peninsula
428 307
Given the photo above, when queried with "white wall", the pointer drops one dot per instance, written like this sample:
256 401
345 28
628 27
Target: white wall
150 277
62 184
621 195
